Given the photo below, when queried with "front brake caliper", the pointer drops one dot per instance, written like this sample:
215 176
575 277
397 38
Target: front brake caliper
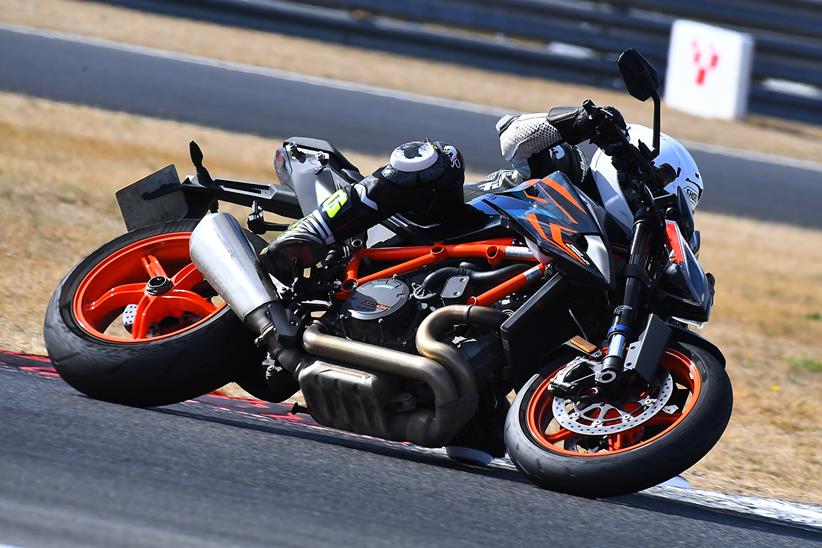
575 379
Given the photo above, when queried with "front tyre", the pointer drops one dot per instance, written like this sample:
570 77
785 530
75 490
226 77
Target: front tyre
135 323
586 452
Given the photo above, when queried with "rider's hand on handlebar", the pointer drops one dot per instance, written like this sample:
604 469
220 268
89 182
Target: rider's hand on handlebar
574 124
604 127
610 133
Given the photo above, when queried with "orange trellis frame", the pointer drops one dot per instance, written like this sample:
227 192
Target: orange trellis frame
416 257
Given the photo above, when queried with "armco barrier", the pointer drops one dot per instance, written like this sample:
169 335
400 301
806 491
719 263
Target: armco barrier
788 35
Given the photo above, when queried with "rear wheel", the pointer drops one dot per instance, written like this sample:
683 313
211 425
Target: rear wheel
136 323
646 435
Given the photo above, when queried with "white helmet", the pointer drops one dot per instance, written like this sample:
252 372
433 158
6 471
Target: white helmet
670 152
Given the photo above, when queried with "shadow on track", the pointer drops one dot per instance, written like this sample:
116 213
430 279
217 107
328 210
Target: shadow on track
351 441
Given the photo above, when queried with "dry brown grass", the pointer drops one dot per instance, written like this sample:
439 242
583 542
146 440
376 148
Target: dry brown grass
393 71
60 166
767 314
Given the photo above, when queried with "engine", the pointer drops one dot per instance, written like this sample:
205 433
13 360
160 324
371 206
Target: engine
349 386
383 312
387 311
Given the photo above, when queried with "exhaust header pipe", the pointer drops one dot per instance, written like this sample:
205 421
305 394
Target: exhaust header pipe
220 250
441 366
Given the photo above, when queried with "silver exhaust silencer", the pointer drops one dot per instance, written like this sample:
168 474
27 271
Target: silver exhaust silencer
223 254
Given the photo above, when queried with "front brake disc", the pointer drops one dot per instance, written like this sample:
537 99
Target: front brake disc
604 418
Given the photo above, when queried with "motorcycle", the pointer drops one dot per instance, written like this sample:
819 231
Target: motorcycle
417 333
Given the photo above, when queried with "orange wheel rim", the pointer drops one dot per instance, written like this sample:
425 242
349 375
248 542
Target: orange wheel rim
547 432
156 280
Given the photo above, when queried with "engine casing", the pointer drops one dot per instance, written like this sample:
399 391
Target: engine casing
381 312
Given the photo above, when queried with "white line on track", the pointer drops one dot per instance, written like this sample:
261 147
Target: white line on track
362 88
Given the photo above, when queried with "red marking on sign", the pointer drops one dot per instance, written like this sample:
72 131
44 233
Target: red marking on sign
704 63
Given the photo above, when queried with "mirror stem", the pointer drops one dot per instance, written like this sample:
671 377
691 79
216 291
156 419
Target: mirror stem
657 116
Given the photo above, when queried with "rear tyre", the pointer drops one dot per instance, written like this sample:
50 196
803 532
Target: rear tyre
183 341
663 446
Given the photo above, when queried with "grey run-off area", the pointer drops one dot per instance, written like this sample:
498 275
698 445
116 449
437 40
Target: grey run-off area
271 103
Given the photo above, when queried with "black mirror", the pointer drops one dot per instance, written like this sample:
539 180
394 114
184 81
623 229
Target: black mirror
642 82
640 77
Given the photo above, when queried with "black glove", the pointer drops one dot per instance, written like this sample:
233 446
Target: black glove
610 133
573 124
576 125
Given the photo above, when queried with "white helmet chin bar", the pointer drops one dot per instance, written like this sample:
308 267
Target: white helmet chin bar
670 152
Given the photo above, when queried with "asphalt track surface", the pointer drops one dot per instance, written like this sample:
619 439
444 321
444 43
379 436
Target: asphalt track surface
270 103
78 472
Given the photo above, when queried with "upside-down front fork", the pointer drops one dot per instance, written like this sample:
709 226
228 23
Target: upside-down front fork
625 315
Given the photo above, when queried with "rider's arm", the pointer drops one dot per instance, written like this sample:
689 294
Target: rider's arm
527 138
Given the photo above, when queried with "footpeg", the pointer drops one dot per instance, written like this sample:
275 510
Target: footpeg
258 225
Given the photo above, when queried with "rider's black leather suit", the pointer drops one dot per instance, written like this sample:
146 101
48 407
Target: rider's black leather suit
426 179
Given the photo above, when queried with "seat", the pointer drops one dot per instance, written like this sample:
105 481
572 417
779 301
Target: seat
324 146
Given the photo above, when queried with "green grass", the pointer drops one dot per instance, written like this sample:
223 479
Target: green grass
807 363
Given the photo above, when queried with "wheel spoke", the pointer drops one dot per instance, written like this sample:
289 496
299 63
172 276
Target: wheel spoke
618 441
621 440
663 419
145 315
113 300
187 277
153 266
188 301
175 303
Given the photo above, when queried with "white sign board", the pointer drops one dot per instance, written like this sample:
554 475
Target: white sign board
709 70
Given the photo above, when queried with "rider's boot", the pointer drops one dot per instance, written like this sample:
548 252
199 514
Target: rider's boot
421 178
344 214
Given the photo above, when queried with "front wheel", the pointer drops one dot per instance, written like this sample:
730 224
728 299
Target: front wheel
646 435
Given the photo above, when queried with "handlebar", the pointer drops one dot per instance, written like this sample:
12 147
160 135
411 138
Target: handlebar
635 164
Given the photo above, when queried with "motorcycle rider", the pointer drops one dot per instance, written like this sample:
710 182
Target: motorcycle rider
426 180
